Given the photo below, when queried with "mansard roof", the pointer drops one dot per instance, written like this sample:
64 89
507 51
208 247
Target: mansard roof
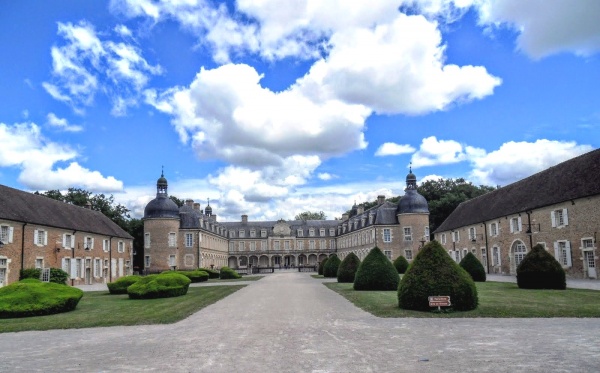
20 206
567 181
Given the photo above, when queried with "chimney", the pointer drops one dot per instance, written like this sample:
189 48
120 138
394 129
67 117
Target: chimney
197 206
360 209
88 205
189 202
380 199
345 216
244 218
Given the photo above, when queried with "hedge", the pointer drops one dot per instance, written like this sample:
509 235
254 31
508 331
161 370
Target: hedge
331 267
120 286
211 272
31 297
376 272
57 275
228 273
401 264
348 267
322 266
164 285
473 266
540 270
194 276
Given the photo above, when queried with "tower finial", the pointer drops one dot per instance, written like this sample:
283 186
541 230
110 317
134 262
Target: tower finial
162 171
208 204
410 167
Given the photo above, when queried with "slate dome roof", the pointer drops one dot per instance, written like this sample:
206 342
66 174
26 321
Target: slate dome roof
412 201
161 207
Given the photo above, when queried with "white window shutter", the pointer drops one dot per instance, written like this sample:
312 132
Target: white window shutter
45 238
10 234
556 253
72 241
553 218
490 229
568 248
565 217
35 235
64 240
73 268
512 228
520 224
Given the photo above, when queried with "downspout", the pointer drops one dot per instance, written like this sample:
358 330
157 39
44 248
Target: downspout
23 246
487 250
530 234
110 259
72 259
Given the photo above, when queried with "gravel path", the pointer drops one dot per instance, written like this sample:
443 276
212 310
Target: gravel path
290 322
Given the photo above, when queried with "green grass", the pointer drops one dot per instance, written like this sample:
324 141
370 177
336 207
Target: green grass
99 308
496 299
317 276
243 278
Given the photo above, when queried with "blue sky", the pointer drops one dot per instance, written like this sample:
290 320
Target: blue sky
270 108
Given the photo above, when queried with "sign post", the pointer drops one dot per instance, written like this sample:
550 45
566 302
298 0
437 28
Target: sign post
439 301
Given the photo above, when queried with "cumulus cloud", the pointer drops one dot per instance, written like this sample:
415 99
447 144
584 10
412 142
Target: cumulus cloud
62 123
438 152
390 148
326 176
85 63
23 146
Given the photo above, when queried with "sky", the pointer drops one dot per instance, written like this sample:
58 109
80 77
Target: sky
270 107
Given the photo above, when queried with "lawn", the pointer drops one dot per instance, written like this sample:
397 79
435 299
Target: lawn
496 299
244 278
99 308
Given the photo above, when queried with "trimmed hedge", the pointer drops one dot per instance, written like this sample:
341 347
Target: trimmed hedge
348 267
31 297
376 272
164 285
322 266
473 266
228 273
331 267
57 275
432 273
540 270
120 286
211 272
194 276
401 264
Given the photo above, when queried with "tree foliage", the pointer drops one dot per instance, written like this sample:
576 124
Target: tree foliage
473 266
330 268
540 270
348 267
401 264
178 202
376 272
311 215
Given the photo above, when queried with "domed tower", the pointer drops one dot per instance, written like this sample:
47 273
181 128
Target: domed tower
413 216
161 230
208 209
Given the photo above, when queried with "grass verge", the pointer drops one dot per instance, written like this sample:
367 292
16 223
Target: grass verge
496 299
243 278
99 308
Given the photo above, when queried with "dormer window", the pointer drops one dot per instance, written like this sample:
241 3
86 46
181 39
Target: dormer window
322 232
311 232
332 231
300 233
263 233
253 234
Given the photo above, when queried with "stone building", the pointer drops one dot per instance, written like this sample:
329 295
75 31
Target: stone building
558 208
39 232
187 237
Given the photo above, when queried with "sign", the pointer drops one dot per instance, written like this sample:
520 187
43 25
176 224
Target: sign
439 301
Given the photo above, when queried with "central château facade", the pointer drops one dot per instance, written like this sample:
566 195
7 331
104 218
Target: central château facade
188 237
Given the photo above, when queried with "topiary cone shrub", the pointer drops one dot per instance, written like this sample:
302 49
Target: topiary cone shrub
164 285
539 270
348 267
322 266
434 273
376 272
473 266
227 273
31 297
401 264
120 286
331 267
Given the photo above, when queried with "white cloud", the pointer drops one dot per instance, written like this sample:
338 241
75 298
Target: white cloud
437 152
22 145
326 176
62 123
390 148
516 160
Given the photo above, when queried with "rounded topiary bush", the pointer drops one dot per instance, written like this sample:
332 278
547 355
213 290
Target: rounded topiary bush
539 270
228 273
211 272
434 273
164 285
331 267
401 264
348 267
194 276
322 266
57 275
120 286
31 297
473 266
376 272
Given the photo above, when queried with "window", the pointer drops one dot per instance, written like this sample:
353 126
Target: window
493 229
66 265
242 246
388 254
300 233
6 234
322 245
519 251
231 234
106 247
562 253
242 233
253 234
311 244
515 225
39 263
322 232
559 218
263 245
252 246
311 232
300 245
484 257
587 243
232 246
496 256
172 239
121 247
147 261
172 261
68 241
332 244
40 237
88 243
455 236
426 233
371 219
443 238
188 260
408 254
332 231
472 236
263 233
407 234
189 239
387 235
78 268
465 252
97 265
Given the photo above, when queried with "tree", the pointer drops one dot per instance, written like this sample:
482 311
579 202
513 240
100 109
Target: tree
376 272
401 264
311 215
473 266
540 270
177 201
348 267
330 269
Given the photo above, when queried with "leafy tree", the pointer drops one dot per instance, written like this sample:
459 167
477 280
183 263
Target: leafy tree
540 270
330 269
401 264
178 202
311 215
376 272
348 267
473 266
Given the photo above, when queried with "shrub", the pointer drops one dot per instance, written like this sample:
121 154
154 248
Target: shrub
57 275
330 268
31 297
473 266
376 272
432 273
322 266
120 286
348 267
194 276
164 285
539 270
401 264
228 273
211 272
